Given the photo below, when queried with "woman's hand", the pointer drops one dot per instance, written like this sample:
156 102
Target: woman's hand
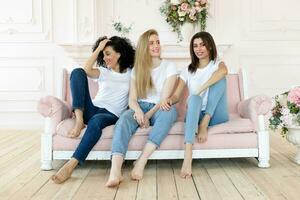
166 104
147 122
102 44
140 118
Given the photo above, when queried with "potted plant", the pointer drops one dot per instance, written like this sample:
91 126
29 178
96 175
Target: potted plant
286 117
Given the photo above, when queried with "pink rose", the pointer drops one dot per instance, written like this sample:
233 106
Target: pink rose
197 3
294 96
184 7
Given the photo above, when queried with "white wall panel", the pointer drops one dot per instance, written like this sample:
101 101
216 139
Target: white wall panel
271 74
25 21
270 20
24 79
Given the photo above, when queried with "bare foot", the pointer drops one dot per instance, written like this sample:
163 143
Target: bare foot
186 169
114 180
64 173
138 170
75 132
202 134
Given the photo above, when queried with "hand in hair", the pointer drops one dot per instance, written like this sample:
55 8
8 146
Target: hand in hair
102 44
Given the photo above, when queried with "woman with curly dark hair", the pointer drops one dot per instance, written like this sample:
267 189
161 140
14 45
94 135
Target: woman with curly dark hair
115 57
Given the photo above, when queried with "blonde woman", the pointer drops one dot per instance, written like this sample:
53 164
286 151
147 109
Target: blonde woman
152 81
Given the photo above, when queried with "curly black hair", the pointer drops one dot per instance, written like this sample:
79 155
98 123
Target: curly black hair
121 45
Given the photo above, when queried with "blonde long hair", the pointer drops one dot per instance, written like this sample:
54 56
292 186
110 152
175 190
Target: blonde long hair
143 65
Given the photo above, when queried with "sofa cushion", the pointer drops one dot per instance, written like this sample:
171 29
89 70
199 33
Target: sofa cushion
172 142
234 125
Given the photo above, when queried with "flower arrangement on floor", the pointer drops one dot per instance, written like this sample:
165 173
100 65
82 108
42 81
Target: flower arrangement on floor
286 111
178 12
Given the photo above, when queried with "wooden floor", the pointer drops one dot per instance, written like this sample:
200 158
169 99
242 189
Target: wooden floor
21 178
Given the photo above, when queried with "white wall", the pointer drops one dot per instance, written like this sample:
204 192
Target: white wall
39 37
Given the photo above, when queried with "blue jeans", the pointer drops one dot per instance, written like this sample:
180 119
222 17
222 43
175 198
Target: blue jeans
216 108
96 118
126 126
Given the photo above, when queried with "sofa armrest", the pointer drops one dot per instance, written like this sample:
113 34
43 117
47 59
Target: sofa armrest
55 109
253 107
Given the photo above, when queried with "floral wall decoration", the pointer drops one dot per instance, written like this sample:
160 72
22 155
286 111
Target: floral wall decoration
178 12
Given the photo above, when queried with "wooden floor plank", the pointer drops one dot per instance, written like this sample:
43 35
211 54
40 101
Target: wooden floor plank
186 188
93 186
66 190
166 186
261 179
37 183
20 167
70 187
147 186
222 182
205 186
246 187
128 188
20 181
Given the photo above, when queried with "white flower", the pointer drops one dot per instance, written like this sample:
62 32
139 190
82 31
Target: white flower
282 99
181 19
175 2
181 14
287 117
285 111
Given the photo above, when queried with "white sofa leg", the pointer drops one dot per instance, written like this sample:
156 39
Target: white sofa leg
46 146
263 144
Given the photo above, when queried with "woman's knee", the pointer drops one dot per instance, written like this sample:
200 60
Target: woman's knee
170 115
125 117
77 72
194 101
221 84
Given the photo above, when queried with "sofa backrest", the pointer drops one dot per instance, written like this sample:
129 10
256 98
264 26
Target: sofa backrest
234 93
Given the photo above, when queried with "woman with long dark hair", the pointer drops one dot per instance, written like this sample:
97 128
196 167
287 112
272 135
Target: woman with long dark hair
207 102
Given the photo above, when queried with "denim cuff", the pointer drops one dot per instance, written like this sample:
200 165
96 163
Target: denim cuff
77 107
154 143
117 154
80 162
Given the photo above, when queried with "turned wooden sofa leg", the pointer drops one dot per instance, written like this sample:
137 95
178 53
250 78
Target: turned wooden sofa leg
46 146
263 144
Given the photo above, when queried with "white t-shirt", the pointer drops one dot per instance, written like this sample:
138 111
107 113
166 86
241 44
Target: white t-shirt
113 90
198 78
158 75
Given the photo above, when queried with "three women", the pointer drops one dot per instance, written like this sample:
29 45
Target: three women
151 101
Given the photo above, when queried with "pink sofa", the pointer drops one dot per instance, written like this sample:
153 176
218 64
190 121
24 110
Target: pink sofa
244 135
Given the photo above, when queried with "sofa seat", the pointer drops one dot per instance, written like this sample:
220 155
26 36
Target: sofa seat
236 133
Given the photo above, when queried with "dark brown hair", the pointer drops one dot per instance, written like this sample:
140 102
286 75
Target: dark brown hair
210 45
